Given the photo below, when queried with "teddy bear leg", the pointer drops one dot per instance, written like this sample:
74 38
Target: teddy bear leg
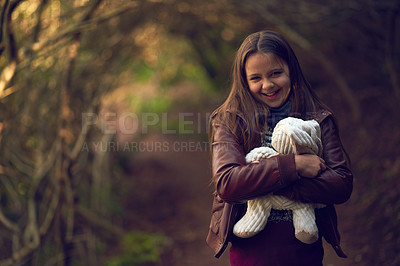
304 224
255 218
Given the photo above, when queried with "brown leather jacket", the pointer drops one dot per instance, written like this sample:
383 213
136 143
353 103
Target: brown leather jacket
236 182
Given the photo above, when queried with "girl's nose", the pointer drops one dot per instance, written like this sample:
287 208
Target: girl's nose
267 84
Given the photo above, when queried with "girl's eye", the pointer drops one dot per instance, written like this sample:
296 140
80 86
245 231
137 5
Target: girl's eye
254 78
276 73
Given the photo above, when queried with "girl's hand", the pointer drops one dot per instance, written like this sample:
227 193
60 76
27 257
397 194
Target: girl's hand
309 165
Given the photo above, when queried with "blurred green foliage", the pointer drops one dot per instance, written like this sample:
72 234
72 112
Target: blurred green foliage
139 248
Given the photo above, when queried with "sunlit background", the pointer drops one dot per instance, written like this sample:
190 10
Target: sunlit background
104 108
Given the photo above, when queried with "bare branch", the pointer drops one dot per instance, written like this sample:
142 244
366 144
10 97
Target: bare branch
21 163
91 10
21 253
36 31
10 188
11 44
80 140
2 19
97 222
39 46
8 92
44 167
51 207
6 19
7 223
5 77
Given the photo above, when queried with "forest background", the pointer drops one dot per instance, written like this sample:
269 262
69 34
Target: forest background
104 106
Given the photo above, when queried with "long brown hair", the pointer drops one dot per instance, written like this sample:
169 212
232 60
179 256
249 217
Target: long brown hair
240 102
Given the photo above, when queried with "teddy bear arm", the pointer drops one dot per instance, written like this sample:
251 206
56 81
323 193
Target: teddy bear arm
306 229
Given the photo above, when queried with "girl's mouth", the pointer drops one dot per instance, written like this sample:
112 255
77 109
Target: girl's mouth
272 94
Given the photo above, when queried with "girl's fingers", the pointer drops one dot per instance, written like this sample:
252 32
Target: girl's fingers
323 166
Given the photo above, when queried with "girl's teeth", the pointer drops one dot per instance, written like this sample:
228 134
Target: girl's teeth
272 93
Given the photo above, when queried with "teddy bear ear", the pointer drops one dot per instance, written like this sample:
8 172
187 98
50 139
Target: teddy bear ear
294 135
315 133
281 142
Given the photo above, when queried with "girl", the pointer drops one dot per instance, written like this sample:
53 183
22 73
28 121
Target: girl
268 85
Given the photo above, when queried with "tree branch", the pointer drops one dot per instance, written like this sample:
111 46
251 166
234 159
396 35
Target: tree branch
51 207
37 28
7 223
102 225
2 19
9 71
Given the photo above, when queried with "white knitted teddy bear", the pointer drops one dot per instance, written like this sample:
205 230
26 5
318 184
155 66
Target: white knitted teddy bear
291 135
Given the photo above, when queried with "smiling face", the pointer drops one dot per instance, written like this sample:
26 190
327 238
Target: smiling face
268 79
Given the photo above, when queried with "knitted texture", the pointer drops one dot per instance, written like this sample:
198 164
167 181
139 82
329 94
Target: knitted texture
294 135
291 135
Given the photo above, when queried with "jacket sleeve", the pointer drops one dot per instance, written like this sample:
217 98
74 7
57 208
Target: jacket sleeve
236 181
335 184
